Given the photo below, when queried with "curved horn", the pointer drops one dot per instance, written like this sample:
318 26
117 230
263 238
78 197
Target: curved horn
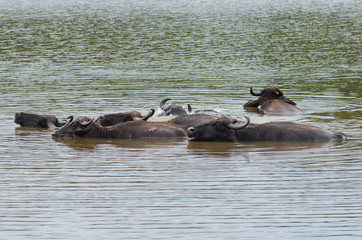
150 114
279 93
68 120
98 121
162 103
254 94
86 124
238 126
189 108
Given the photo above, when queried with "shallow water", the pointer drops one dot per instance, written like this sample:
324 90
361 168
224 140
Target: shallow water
91 58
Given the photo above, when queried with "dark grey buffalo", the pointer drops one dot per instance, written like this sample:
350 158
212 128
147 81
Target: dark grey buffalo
115 118
190 120
273 102
175 110
84 127
36 120
224 129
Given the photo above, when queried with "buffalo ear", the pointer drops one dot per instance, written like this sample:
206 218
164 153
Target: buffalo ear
83 128
57 123
252 104
81 131
287 100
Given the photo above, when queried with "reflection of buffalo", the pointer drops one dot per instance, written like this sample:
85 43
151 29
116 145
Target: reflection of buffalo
273 102
115 118
36 121
92 143
171 109
86 128
221 129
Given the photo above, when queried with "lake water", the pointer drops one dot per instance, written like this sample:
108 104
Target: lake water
95 57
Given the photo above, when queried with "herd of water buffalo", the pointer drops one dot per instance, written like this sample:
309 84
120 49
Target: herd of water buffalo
201 125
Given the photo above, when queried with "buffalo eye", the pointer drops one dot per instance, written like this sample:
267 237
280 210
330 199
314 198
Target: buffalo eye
191 129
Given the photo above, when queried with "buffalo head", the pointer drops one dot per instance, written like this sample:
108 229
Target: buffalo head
36 121
268 94
171 109
74 128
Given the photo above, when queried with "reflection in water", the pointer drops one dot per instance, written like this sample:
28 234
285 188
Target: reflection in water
92 143
211 148
29 131
242 148
285 146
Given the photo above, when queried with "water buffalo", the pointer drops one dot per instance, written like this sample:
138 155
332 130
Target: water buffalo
273 102
115 118
171 109
85 127
223 129
36 120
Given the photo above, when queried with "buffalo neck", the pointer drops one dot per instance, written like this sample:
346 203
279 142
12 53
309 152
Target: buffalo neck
249 133
103 132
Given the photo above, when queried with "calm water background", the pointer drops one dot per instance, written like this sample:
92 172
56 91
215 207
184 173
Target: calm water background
95 57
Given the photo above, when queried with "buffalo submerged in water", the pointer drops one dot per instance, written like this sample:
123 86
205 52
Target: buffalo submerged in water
223 129
84 127
172 109
273 102
37 120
